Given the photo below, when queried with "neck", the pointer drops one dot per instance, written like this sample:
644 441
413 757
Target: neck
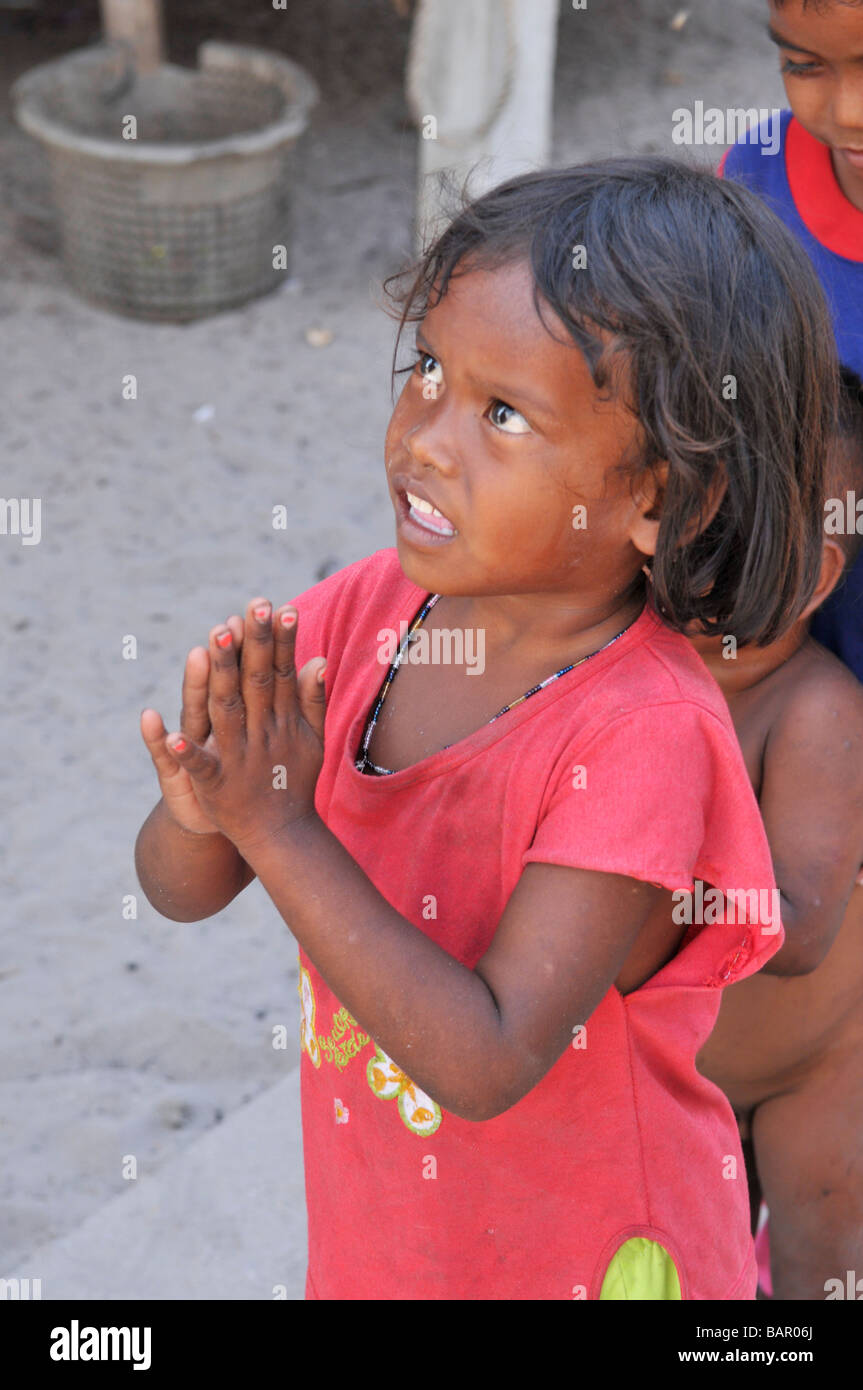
545 627
748 665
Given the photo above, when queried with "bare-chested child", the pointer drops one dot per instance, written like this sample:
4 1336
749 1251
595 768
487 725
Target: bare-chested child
787 1048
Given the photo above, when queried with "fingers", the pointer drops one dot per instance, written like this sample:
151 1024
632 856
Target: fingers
194 716
199 763
225 702
256 670
284 670
235 623
153 733
312 695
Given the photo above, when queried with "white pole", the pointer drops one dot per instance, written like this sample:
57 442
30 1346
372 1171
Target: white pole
139 24
480 83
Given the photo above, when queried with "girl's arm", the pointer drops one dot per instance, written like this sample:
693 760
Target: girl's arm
187 875
475 1040
811 802
186 867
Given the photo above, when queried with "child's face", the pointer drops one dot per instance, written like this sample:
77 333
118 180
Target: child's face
499 426
821 53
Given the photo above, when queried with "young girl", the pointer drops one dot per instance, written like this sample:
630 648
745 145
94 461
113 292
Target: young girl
618 365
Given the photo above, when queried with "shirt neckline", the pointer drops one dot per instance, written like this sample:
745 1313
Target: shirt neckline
445 759
823 208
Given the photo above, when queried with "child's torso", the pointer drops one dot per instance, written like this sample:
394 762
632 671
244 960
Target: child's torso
431 705
771 1028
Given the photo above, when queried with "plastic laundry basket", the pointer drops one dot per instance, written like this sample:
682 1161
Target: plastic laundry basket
186 218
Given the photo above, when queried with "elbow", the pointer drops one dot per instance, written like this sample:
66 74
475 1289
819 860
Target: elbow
174 912
177 915
810 930
798 957
493 1098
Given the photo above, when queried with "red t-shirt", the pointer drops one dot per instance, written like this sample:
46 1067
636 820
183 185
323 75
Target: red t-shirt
622 1137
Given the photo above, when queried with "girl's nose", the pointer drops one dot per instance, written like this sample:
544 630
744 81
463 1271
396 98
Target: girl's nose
431 442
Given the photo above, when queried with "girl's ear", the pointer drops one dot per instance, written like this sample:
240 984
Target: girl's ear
832 566
649 497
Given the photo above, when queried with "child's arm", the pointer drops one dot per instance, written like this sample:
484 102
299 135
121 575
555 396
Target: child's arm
186 867
476 1040
812 805
187 875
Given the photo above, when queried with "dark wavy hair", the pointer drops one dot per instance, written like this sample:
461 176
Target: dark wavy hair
695 281
845 466
821 5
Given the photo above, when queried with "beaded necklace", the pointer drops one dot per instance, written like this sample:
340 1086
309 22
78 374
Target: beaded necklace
364 763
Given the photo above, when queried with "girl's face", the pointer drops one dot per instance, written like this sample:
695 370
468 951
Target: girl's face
500 427
821 52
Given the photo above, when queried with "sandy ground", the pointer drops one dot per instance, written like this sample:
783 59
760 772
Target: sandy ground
140 1036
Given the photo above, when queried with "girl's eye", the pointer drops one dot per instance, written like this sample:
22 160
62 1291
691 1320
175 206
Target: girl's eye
799 69
505 418
429 368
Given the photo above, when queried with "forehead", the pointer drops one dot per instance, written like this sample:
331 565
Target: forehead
495 303
833 30
488 325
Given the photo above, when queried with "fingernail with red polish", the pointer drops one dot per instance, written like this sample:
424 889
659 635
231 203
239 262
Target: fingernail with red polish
288 618
180 745
262 613
224 639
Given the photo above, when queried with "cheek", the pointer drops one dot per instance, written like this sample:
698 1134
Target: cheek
399 419
808 98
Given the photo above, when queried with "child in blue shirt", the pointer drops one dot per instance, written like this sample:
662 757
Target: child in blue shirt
815 184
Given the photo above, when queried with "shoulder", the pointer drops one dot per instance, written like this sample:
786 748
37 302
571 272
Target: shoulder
361 581
663 682
362 595
822 712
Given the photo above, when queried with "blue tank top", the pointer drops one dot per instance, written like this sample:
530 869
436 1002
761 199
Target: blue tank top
800 186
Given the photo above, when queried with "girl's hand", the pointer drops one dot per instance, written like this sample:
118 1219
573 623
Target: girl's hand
174 781
254 773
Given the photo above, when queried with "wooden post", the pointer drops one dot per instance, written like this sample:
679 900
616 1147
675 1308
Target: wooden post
139 24
479 83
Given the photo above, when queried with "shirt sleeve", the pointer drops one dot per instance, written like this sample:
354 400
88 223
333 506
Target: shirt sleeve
659 794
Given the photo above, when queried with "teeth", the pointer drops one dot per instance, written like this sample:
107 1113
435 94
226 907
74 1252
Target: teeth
421 506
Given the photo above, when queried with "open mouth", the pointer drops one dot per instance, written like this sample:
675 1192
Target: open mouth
415 511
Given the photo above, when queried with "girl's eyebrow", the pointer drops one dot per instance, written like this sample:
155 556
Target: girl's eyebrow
785 43
538 406
776 37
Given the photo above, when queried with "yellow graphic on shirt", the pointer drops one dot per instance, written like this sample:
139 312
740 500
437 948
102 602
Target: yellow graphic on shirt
419 1112
343 1042
308 1041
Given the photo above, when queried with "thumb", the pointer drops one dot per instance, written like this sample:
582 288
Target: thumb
201 764
312 694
